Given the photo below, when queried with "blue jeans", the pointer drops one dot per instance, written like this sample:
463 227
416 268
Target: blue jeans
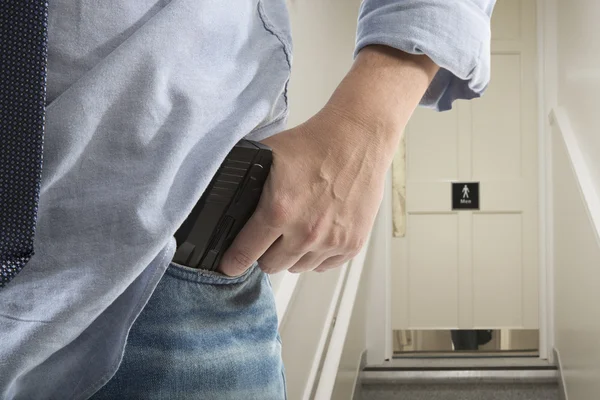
204 336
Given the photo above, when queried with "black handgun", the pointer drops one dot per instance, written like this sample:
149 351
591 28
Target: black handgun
226 205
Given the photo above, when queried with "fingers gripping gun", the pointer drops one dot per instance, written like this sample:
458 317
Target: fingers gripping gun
226 205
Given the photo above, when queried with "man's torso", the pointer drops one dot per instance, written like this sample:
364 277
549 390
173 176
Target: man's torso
144 101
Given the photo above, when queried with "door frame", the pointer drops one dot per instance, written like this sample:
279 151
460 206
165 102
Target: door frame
378 337
547 82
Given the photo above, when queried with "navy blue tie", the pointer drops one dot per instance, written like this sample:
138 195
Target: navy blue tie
23 63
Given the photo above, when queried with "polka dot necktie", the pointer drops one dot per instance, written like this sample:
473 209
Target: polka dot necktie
23 61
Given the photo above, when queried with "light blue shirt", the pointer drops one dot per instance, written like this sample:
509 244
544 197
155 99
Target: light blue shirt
145 99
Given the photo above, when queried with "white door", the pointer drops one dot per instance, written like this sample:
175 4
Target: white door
475 269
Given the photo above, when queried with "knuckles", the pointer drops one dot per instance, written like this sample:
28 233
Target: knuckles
279 213
333 241
311 236
344 243
315 235
355 245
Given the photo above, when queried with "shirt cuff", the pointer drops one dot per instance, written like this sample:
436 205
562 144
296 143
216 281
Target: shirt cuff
455 34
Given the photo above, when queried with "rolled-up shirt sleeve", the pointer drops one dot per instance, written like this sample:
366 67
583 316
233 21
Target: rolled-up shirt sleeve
455 34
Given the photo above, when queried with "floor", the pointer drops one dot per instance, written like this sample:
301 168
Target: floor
465 391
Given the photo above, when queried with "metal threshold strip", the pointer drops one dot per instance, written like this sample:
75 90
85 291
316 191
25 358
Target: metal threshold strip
468 354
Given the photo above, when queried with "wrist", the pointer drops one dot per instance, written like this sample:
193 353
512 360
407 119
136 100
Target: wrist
380 93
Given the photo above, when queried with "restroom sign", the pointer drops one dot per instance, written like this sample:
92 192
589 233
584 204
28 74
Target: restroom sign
465 195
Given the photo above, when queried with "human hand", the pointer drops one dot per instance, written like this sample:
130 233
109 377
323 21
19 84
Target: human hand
319 201
326 182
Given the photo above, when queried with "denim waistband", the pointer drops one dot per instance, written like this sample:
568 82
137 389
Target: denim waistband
208 277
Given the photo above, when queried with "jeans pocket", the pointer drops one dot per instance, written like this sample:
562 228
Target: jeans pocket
203 276
203 335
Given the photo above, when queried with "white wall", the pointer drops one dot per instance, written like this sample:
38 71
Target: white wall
324 35
576 183
579 74
576 264
354 345
305 327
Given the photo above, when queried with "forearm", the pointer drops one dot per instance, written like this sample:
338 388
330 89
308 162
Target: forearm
454 34
380 93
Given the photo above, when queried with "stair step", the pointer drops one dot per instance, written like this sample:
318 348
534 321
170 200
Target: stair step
462 391
439 381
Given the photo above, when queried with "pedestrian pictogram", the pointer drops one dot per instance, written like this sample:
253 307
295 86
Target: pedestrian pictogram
465 192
